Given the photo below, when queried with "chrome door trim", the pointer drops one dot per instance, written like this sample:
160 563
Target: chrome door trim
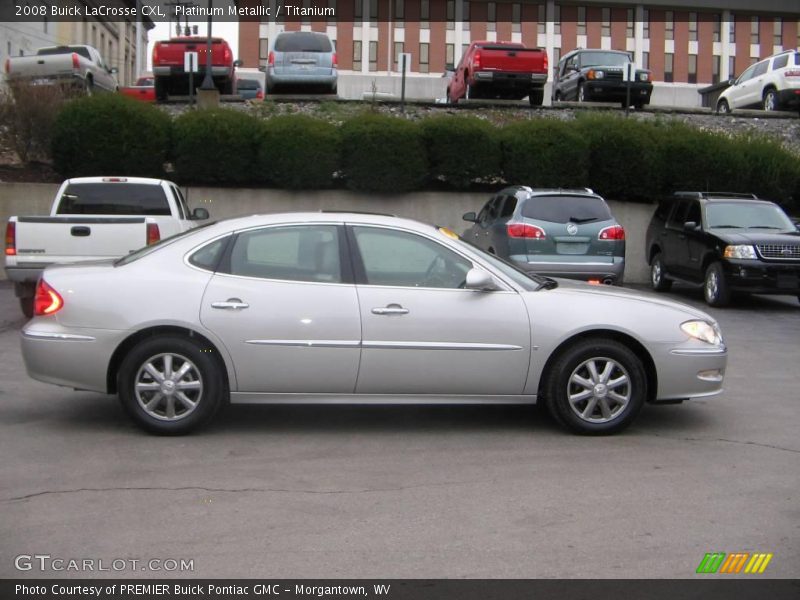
292 398
437 346
307 343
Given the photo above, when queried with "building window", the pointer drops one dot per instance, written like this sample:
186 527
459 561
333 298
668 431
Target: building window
541 19
306 20
491 16
356 55
465 15
692 26
754 36
449 56
423 57
373 12
398 50
464 48
373 56
731 67
451 14
732 30
332 6
692 68
399 11
717 31
516 16
645 60
556 55
716 62
669 25
646 24
263 48
605 23
581 25
557 18
424 14
629 26
777 32
357 10
668 67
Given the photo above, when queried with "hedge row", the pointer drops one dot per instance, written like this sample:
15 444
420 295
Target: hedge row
623 159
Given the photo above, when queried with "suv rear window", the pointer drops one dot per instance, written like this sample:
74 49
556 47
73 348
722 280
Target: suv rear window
114 199
303 41
562 209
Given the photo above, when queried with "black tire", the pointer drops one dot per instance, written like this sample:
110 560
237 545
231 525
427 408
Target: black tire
470 93
626 373
657 279
580 94
557 97
449 99
771 100
716 289
536 97
160 89
723 108
26 304
88 86
204 367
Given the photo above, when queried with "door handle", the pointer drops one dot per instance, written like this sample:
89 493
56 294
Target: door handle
231 304
392 309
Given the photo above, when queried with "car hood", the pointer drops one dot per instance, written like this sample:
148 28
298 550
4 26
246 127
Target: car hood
756 236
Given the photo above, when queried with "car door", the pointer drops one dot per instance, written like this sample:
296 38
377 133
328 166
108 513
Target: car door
504 210
675 239
694 243
741 92
569 79
482 236
284 305
422 333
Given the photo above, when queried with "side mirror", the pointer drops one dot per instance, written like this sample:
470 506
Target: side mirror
690 225
470 216
480 281
199 214
113 70
238 63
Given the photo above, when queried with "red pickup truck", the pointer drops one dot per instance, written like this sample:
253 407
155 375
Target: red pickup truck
168 66
143 90
506 70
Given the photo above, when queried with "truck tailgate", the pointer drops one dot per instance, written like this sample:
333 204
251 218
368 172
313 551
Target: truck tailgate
67 239
519 60
40 66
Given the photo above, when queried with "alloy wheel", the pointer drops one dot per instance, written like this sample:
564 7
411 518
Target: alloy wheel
599 390
168 387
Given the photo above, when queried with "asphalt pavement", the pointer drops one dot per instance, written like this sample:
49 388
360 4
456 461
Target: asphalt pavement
411 492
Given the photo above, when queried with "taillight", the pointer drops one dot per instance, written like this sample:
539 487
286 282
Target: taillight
11 238
47 301
335 60
271 58
153 234
227 55
76 62
613 233
476 60
525 230
259 95
155 53
546 62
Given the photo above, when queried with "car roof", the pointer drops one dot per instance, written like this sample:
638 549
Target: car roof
554 191
116 179
333 217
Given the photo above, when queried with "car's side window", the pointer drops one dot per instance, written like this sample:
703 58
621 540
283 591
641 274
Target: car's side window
747 74
509 205
399 258
292 252
761 68
489 212
676 219
780 62
208 256
693 213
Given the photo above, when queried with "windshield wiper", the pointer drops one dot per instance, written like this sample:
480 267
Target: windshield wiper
578 220
763 227
725 227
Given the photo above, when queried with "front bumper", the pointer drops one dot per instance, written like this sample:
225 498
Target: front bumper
616 91
690 370
760 277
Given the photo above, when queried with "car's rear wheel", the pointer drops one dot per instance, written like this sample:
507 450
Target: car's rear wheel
536 97
723 108
771 101
657 275
715 286
170 385
596 387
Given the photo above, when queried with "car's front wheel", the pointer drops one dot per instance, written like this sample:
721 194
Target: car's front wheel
723 108
715 286
657 276
581 95
171 385
596 387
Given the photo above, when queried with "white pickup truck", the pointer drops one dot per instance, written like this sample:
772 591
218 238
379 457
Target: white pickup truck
80 66
94 218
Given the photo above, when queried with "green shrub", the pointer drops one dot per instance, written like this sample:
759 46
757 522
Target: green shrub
772 171
461 149
624 163
215 146
383 154
298 152
544 153
110 134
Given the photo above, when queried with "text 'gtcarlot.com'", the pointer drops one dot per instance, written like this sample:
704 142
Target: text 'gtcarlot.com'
46 562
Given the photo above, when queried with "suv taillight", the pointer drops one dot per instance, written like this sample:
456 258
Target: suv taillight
613 233
11 238
525 230
271 58
476 60
47 301
76 62
335 60
546 63
153 234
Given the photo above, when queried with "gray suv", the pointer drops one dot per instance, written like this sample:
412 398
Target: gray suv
302 59
560 232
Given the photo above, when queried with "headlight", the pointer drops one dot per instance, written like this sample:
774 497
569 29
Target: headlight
644 76
739 252
703 331
595 74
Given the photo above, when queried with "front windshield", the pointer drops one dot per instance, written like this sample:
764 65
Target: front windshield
604 59
145 250
748 215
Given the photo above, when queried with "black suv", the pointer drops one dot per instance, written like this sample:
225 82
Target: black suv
724 242
586 75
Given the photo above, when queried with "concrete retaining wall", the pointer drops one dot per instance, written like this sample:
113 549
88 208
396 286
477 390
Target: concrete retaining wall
440 208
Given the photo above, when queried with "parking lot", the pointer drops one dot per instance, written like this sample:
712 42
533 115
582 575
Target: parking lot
456 492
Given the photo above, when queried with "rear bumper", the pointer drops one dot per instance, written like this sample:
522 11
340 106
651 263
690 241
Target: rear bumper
326 79
178 71
508 80
763 278
617 91
612 272
789 98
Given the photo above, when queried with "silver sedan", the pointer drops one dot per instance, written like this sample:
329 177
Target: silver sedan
357 308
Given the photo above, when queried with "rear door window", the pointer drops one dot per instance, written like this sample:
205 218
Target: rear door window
563 209
761 68
114 199
780 62
303 41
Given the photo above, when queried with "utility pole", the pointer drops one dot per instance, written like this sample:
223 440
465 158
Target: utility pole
208 81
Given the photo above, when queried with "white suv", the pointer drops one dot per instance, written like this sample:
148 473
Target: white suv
771 84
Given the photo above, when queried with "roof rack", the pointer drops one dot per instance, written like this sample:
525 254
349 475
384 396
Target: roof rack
716 195
358 212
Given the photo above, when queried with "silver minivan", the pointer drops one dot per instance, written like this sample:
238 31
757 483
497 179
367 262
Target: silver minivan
302 59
